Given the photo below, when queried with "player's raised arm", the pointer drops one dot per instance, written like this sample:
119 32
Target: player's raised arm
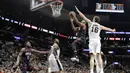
83 16
77 21
72 24
107 29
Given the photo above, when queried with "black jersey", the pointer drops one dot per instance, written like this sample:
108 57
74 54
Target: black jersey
26 56
81 32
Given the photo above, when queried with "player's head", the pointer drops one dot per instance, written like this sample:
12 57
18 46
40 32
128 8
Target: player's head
28 44
83 21
56 41
96 19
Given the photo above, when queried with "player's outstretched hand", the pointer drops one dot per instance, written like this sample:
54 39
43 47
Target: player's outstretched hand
114 30
76 9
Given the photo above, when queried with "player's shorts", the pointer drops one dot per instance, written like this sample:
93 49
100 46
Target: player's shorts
94 46
26 67
54 65
81 41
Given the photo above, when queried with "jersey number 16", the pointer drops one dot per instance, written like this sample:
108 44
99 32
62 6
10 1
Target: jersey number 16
95 29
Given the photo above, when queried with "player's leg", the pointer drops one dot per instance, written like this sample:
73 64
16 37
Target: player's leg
100 63
92 56
91 63
23 69
99 58
74 48
53 65
96 64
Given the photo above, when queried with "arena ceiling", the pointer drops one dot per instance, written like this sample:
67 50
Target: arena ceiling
20 10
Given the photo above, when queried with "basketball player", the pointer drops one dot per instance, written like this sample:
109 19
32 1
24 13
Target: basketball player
24 56
80 31
94 29
55 65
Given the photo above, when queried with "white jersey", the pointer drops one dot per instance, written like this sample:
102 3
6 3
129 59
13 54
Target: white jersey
94 31
54 62
55 51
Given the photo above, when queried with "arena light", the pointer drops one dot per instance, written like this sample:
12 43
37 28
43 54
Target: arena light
51 32
117 32
27 25
12 21
74 37
86 50
6 19
41 29
123 39
2 18
16 22
61 35
44 30
22 24
19 23
33 27
110 52
127 32
116 63
111 38
17 38
105 38
70 37
56 34
118 39
128 51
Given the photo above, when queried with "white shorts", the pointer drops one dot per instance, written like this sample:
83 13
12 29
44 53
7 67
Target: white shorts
54 65
94 46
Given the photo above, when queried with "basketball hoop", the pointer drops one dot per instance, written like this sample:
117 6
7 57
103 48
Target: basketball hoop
56 8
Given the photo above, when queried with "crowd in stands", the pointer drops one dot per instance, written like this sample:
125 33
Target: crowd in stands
10 50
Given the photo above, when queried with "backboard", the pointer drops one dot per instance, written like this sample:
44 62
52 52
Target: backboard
37 4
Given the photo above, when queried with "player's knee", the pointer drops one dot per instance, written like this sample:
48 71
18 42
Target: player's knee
98 56
91 55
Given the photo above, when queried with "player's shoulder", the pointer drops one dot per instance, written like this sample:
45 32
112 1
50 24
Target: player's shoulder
23 49
55 44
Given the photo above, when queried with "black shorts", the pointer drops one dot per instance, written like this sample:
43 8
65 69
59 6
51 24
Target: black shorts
26 67
81 41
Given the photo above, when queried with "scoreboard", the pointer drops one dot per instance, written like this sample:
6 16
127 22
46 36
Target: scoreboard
109 7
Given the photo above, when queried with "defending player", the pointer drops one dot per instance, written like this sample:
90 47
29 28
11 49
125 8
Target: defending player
55 65
94 29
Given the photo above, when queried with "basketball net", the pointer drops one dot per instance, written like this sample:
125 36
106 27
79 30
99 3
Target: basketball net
56 8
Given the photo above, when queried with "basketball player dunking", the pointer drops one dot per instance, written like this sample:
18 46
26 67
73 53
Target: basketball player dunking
23 59
55 65
80 31
94 29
